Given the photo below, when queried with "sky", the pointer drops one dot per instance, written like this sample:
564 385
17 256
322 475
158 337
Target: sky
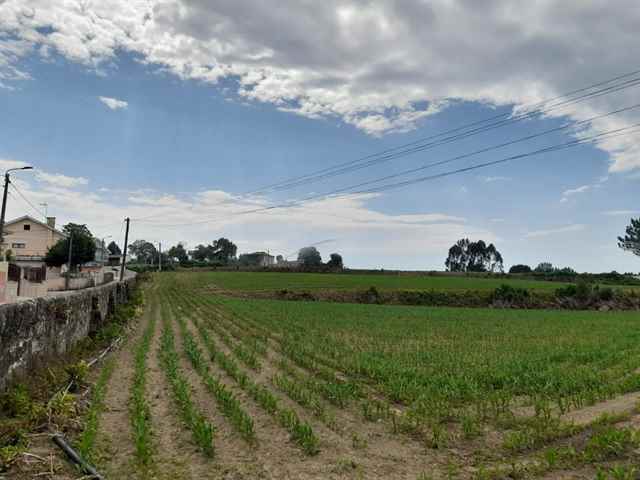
177 114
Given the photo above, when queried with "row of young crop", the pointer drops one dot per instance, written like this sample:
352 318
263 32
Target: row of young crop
406 376
211 338
301 432
523 435
425 414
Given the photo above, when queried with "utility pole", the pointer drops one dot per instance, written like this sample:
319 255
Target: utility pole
68 279
4 206
124 252
7 181
159 256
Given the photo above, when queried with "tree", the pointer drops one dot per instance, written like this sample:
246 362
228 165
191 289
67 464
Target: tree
544 267
179 253
335 261
113 248
466 256
520 269
309 257
200 253
143 251
83 247
631 241
223 250
77 229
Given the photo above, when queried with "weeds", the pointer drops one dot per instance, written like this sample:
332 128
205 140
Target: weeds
87 438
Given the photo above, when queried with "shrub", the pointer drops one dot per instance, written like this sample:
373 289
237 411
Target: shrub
605 294
520 269
508 294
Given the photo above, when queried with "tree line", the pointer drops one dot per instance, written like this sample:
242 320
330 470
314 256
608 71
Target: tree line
463 256
469 256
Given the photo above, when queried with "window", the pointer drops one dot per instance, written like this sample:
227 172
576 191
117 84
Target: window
27 227
18 245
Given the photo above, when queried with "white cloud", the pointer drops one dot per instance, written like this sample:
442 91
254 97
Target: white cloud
114 103
619 213
496 178
366 237
380 66
57 179
574 191
576 227
6 164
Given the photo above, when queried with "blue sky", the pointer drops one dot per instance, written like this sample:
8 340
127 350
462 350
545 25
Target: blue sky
171 123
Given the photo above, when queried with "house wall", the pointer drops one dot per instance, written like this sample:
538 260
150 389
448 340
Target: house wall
37 329
37 240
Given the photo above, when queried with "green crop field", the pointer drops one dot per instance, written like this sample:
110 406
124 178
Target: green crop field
308 281
212 386
453 356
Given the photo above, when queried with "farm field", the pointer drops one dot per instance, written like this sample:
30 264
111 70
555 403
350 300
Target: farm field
213 387
329 281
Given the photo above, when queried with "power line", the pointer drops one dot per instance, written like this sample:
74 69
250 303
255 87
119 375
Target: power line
419 145
35 209
553 148
575 143
437 143
506 120
568 125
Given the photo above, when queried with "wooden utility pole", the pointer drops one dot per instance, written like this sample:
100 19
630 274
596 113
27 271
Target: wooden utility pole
124 252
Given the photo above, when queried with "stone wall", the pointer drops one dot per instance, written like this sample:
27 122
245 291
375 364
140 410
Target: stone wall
33 330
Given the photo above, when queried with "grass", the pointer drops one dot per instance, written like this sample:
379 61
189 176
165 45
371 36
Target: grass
332 281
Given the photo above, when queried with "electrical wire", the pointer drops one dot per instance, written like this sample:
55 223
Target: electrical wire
532 111
590 140
35 209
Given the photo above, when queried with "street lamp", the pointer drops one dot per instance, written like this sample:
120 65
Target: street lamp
7 181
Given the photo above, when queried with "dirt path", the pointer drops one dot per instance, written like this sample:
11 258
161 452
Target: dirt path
115 448
619 405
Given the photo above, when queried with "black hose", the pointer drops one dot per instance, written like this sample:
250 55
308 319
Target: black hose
76 458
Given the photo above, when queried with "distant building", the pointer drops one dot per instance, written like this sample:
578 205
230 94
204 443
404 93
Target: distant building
102 252
30 239
256 259
282 262
114 259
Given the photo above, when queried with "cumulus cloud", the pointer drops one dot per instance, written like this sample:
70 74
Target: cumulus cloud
60 180
365 236
114 103
380 66
576 227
